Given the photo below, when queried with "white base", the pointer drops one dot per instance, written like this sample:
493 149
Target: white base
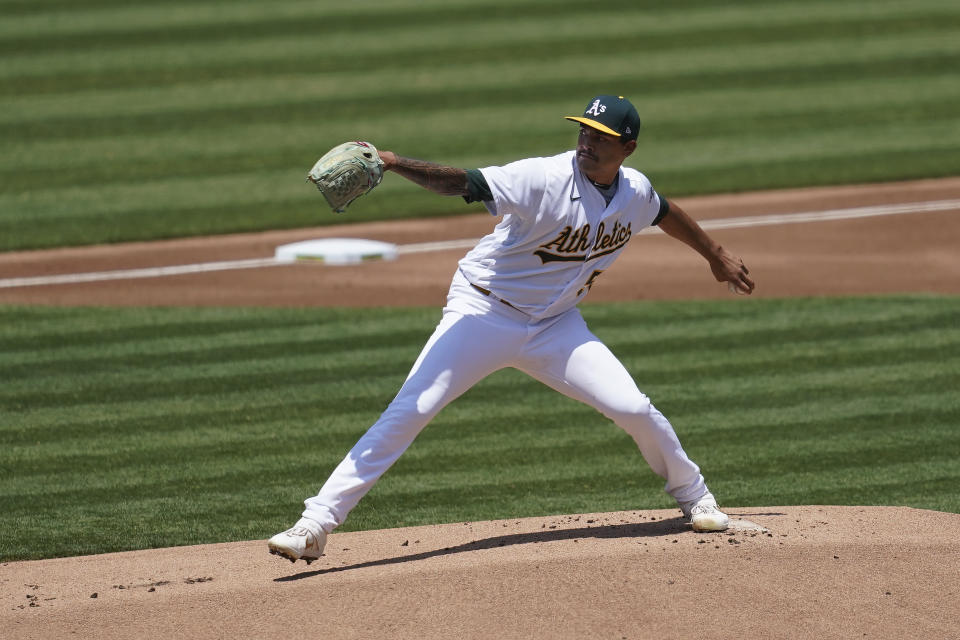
336 251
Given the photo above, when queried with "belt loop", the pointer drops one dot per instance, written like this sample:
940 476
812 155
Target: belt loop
490 294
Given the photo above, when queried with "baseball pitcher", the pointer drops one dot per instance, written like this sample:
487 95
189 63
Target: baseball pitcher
563 220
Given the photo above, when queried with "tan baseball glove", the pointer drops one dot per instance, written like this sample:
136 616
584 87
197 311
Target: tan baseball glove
346 172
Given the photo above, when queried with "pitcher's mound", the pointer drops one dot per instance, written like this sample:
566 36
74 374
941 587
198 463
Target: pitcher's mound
779 572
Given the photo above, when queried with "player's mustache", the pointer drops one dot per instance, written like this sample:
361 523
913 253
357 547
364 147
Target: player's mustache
581 153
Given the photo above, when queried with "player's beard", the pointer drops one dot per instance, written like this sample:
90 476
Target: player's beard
586 155
588 164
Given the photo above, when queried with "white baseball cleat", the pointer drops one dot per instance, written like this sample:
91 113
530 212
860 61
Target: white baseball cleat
303 540
704 514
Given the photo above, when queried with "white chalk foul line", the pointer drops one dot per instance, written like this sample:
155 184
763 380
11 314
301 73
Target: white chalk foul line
836 214
424 247
132 274
746 221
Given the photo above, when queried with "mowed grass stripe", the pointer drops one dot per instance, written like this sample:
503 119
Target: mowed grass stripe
287 95
155 24
451 470
123 207
677 158
719 396
117 29
194 452
731 333
48 355
92 328
303 414
713 423
701 359
513 40
50 19
173 343
251 8
305 418
855 356
741 68
839 169
164 373
695 111
134 159
821 447
900 488
793 397
144 519
301 355
790 392
190 380
279 187
923 114
98 17
309 420
289 211
794 326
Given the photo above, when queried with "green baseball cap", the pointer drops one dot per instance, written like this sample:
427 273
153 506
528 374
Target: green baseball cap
614 115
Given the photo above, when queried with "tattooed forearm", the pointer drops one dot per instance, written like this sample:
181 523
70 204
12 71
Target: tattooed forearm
447 181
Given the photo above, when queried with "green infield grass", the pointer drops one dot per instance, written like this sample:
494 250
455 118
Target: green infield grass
135 121
127 428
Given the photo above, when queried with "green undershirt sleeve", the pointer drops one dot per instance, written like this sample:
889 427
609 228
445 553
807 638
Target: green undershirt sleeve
477 188
664 210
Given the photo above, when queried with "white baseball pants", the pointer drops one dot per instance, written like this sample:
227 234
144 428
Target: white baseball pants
477 336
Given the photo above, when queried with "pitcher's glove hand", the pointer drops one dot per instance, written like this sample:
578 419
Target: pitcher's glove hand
346 172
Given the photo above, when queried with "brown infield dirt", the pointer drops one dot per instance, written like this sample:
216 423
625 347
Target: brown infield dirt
780 572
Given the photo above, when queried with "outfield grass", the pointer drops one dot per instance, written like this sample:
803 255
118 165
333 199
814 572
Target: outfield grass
138 121
134 428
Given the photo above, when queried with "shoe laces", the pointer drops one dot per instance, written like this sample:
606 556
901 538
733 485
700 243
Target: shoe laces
704 508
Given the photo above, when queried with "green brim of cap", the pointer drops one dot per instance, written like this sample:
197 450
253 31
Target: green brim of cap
599 126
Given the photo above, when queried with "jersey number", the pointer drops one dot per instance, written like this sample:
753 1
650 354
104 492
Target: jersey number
589 282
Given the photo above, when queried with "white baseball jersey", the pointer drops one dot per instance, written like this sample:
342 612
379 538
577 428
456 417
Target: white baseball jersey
557 233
